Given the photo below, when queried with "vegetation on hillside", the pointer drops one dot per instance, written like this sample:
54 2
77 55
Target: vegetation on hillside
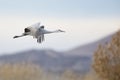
106 64
29 71
107 59
19 72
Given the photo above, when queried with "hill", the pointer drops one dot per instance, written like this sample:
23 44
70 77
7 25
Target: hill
78 59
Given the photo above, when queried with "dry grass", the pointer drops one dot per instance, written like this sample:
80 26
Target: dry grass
91 76
20 72
70 75
107 59
29 71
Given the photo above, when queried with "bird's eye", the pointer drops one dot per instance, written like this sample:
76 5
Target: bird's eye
27 30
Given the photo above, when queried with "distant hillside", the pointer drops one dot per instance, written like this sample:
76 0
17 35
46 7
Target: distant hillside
49 60
88 49
55 61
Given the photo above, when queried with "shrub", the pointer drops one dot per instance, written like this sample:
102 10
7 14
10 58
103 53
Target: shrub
106 62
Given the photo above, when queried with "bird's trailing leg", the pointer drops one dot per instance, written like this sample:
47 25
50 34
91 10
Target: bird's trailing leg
40 39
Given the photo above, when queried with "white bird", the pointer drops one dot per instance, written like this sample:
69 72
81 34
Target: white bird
37 31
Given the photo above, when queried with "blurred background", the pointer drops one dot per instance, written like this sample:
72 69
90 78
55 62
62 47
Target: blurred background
87 24
84 22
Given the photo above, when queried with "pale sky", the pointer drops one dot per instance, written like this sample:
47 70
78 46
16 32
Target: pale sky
83 20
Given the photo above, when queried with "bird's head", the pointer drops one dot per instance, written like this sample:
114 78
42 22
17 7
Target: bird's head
42 26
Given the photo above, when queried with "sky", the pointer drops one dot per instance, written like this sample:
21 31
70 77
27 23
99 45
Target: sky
84 21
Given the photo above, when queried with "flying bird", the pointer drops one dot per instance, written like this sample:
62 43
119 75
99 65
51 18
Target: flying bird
37 31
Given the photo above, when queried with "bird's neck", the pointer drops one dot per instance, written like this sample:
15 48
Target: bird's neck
55 31
48 32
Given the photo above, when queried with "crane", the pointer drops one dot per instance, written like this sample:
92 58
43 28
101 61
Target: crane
37 31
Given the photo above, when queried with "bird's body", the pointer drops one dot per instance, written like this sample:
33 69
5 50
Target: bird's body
37 32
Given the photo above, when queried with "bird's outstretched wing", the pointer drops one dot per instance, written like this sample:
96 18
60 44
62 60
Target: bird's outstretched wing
37 25
40 38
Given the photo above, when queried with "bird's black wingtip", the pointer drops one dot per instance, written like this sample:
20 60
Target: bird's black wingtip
15 37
